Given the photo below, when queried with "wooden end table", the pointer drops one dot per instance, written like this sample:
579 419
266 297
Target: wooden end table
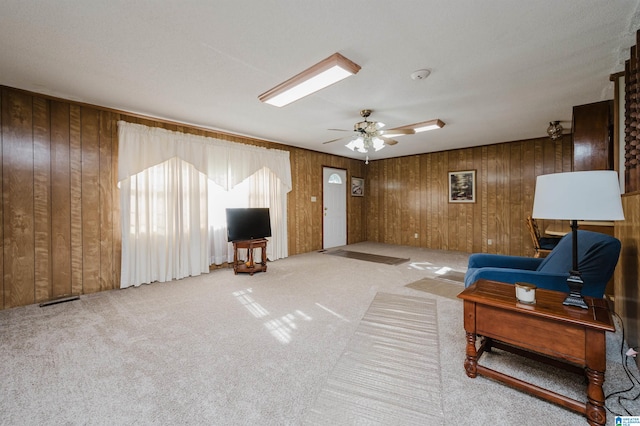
547 331
250 266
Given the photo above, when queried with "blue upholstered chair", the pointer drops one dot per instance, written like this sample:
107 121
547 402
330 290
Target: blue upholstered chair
597 258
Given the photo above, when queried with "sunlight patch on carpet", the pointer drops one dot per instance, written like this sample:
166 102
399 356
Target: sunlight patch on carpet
389 372
368 257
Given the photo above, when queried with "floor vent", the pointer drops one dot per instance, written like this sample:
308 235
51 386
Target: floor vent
59 300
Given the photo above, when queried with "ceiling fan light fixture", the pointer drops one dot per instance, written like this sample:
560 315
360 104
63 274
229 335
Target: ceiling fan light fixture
427 125
366 144
356 144
378 144
323 74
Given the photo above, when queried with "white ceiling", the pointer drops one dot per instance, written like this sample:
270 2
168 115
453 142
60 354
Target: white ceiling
501 69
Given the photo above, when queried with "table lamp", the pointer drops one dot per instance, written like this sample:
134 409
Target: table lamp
589 195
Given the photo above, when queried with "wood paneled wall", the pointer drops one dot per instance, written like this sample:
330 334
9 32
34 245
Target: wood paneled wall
305 216
627 273
409 195
628 231
60 217
60 214
59 203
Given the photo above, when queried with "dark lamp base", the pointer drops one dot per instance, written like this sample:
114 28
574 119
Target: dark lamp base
575 300
575 284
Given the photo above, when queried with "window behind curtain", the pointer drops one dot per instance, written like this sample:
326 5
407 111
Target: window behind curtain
177 221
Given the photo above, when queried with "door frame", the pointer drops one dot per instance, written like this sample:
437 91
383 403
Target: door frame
347 193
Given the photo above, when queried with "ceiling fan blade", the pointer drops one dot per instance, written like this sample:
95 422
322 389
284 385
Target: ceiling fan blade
333 140
341 130
388 141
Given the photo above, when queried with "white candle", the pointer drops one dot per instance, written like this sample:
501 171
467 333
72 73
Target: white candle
525 292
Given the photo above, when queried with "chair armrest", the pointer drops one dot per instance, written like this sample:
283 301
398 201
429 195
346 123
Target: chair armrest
557 282
484 260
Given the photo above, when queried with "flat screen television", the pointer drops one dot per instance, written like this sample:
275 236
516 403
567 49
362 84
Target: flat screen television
248 224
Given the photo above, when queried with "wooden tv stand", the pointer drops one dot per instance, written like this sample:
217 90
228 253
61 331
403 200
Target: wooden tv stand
250 266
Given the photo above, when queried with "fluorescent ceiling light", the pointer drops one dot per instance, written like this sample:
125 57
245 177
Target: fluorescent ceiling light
427 125
325 73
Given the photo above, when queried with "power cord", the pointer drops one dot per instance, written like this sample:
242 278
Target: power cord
632 378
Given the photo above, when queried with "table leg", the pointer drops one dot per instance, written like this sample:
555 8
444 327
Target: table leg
250 260
596 414
264 257
471 361
235 259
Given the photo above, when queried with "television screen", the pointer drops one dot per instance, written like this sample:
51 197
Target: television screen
248 224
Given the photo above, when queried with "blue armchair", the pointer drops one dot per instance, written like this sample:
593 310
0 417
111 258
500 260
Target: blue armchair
597 258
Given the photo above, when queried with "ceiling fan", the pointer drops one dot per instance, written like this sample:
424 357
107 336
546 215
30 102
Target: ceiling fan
370 135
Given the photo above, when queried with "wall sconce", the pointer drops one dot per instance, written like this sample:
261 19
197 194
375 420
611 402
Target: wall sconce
554 130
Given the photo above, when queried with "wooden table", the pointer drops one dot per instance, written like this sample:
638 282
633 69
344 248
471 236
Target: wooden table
548 331
250 266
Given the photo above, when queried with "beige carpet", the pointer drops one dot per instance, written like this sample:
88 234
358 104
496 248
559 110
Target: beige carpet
389 372
225 349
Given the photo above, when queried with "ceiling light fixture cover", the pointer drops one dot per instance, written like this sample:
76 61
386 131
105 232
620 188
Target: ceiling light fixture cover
323 74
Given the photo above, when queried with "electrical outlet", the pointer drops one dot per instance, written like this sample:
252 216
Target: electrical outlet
490 241
415 235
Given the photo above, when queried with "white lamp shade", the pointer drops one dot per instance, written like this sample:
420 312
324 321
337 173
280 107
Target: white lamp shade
589 195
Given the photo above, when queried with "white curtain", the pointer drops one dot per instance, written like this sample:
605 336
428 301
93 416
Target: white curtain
173 206
164 236
226 163
259 190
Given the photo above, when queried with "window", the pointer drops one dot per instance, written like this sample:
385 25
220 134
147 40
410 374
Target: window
335 178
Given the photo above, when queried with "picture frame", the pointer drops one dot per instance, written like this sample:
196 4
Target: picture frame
357 186
462 186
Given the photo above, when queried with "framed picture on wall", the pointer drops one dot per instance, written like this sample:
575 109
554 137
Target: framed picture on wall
462 186
357 187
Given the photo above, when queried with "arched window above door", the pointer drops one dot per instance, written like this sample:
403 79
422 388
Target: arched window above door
335 178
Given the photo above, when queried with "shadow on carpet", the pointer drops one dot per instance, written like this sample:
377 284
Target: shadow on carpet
438 287
389 372
368 257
